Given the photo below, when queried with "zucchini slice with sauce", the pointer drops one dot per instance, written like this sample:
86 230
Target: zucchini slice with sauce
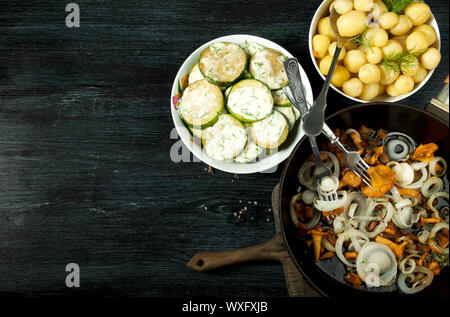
195 75
267 66
200 104
289 115
250 153
250 100
280 99
226 139
296 113
251 48
271 132
223 63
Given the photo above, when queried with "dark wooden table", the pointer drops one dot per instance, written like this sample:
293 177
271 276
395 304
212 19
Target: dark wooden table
85 170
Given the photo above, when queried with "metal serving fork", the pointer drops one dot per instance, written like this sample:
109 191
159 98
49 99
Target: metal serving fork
296 97
352 158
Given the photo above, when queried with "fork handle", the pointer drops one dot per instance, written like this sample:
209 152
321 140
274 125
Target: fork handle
313 121
291 67
315 149
326 130
326 85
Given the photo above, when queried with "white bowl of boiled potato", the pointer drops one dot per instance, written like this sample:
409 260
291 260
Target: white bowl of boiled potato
392 55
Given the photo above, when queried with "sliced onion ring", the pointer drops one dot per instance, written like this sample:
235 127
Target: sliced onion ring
407 265
433 164
432 186
308 225
348 234
430 203
420 182
436 228
305 176
425 281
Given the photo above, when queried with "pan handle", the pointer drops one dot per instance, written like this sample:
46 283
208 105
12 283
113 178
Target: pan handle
439 105
271 250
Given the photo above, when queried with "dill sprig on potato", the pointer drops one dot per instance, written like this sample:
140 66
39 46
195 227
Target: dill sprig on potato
362 40
398 6
400 61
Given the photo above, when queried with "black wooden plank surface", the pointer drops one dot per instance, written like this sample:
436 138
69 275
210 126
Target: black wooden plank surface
85 168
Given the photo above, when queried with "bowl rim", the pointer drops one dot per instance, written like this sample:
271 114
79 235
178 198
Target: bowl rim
266 164
382 98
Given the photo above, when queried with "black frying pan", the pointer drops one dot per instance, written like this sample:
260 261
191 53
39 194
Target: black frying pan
328 276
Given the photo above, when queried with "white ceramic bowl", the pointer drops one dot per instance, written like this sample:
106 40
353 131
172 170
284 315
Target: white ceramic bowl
323 11
264 164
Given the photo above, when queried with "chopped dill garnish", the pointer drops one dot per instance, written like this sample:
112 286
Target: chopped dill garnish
400 61
362 40
398 6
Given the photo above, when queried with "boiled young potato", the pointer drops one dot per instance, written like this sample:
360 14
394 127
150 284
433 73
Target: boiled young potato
363 5
420 74
320 43
374 55
416 42
378 9
403 26
431 58
369 91
342 6
392 91
332 49
428 31
324 28
325 64
377 36
354 59
418 12
404 84
351 23
388 20
369 74
392 48
388 74
353 87
413 67
340 75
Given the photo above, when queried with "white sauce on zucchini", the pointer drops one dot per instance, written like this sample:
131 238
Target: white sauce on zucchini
296 113
269 69
270 130
250 153
225 139
279 98
251 47
288 113
250 103
223 62
199 101
195 75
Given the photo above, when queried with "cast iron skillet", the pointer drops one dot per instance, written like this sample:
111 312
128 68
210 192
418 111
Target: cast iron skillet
328 279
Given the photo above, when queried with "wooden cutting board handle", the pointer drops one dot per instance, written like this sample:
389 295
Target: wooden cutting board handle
273 249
